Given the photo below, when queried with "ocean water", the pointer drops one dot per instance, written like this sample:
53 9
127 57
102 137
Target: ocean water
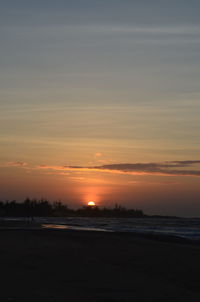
178 227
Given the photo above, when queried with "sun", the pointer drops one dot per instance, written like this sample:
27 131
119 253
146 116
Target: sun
91 204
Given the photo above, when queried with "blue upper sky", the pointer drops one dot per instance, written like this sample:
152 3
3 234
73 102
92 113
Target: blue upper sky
126 41
154 12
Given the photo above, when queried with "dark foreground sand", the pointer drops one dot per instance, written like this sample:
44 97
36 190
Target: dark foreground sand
60 265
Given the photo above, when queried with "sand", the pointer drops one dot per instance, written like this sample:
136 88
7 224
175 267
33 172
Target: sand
62 265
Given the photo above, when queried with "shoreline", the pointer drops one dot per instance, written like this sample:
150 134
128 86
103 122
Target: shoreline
21 225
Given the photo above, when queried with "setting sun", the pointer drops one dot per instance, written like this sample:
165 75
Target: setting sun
91 203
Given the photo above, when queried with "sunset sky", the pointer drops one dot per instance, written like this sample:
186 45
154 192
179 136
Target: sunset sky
100 100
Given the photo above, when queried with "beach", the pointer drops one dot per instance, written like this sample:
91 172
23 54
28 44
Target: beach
66 265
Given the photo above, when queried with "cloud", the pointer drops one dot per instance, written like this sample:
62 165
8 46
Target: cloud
184 162
168 168
173 30
133 29
16 164
50 167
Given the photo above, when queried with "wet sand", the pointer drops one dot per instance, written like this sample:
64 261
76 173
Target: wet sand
62 265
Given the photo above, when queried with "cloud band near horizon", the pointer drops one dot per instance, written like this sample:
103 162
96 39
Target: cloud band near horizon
166 168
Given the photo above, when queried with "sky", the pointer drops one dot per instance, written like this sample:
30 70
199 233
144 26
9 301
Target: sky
100 100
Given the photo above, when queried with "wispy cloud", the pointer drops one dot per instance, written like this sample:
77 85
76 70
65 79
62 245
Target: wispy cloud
15 164
179 29
166 168
62 30
51 167
108 29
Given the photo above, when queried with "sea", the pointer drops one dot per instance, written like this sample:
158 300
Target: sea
187 228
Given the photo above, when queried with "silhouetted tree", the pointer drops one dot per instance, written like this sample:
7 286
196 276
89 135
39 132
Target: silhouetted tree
35 208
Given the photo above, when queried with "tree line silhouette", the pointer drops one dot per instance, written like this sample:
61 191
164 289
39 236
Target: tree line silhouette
44 208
